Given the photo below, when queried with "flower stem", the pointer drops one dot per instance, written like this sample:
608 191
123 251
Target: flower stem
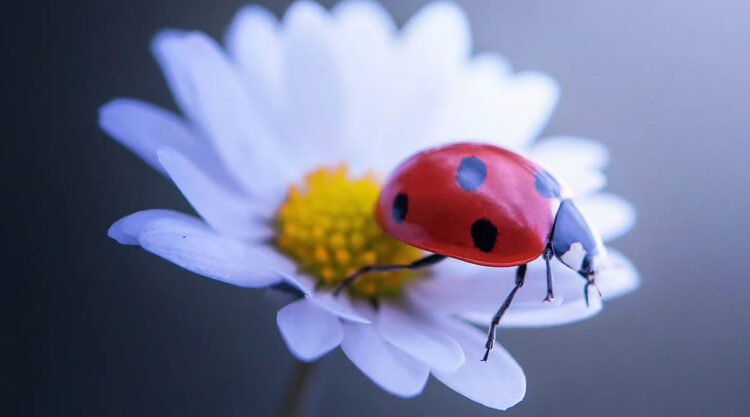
303 392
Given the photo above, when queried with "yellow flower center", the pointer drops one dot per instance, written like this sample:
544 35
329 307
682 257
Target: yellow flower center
327 226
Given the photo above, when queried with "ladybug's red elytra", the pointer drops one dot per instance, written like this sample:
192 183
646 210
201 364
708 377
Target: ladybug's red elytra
489 206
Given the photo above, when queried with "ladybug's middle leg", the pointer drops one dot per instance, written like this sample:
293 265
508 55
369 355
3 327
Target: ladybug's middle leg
520 276
428 260
547 257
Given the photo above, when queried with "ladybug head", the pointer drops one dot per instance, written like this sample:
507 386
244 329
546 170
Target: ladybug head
575 243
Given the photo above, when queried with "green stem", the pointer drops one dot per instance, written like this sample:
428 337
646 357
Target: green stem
303 392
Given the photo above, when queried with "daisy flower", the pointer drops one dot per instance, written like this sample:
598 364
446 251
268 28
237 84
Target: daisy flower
285 135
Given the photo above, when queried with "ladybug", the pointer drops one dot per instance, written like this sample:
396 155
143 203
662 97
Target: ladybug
489 206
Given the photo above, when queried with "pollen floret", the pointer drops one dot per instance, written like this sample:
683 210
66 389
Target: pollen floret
327 226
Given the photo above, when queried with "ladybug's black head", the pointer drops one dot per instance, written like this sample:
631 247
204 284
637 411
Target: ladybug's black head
575 243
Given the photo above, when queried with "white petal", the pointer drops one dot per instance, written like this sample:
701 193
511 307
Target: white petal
434 46
609 214
126 230
365 46
143 128
570 150
312 105
173 57
309 332
544 315
224 111
438 35
457 287
476 292
340 306
418 336
387 366
191 244
618 276
576 161
491 104
528 102
498 383
253 41
582 181
228 212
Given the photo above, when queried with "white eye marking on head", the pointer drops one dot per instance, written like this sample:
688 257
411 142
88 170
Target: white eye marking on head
574 256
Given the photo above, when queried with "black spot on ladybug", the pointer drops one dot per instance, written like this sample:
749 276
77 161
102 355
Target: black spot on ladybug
400 207
484 234
547 185
471 173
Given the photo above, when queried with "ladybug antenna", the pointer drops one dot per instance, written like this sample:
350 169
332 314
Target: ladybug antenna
590 280
594 277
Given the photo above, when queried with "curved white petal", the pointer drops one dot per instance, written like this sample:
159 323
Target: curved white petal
456 287
387 366
570 150
419 336
226 211
498 383
127 230
610 214
543 315
432 51
491 104
222 108
191 244
476 292
438 35
618 276
365 43
309 331
312 104
173 57
253 41
144 128
529 99
581 181
340 306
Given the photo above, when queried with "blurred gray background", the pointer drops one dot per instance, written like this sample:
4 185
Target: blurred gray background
104 329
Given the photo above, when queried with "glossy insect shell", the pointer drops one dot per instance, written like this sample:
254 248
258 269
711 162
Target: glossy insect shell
475 202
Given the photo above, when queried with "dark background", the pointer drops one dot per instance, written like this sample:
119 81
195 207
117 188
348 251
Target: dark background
104 329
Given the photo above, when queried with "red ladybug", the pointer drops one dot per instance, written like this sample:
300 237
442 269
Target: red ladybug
485 205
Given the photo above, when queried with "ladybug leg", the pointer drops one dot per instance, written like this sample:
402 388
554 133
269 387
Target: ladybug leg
428 260
520 276
547 257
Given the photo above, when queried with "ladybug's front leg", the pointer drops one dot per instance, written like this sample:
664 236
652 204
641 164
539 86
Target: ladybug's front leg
428 260
520 276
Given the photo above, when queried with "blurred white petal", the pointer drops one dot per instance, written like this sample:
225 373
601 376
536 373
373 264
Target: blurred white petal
309 331
491 104
144 128
570 150
312 104
618 276
611 215
253 42
498 383
418 336
365 40
434 46
387 366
